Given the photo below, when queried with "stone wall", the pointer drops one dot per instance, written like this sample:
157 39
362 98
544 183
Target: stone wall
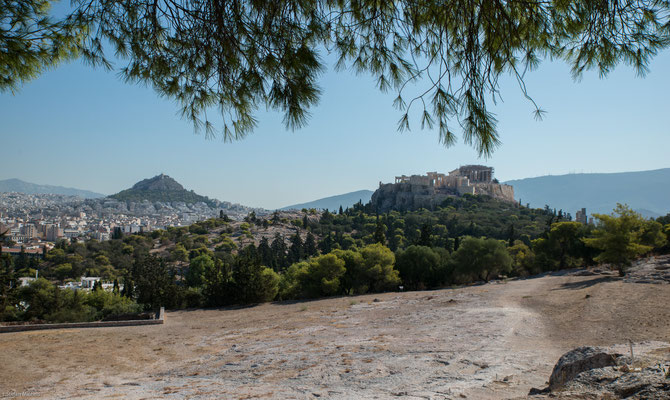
406 196
497 191
97 324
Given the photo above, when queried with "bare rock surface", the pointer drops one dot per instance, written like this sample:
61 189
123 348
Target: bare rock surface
650 270
577 361
492 341
604 373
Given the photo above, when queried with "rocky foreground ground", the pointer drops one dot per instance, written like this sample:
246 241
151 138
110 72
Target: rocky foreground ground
491 341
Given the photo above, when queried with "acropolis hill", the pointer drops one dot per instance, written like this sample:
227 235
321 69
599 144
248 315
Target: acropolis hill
430 190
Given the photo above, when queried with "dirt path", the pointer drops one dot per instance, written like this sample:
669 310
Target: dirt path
489 341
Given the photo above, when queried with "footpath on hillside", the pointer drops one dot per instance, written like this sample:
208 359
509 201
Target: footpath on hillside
489 341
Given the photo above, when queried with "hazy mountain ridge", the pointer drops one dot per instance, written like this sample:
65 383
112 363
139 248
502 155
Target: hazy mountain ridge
648 192
334 202
19 186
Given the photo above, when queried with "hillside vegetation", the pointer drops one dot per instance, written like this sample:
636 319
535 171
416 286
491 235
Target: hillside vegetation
308 254
162 189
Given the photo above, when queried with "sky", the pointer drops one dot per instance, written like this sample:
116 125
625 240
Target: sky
81 127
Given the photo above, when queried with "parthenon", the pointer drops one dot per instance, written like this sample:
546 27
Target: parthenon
462 177
431 189
472 179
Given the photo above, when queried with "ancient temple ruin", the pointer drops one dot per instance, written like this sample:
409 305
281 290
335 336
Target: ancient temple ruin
465 179
434 187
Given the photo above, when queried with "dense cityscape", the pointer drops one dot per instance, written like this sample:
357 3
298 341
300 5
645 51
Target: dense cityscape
35 222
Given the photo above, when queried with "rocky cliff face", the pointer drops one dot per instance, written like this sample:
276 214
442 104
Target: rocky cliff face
496 190
405 196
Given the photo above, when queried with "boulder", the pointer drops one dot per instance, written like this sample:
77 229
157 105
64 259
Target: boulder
577 361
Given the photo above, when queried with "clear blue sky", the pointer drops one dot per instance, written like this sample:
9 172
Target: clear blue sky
80 127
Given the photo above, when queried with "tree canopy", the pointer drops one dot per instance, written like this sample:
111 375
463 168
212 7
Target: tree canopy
240 55
624 235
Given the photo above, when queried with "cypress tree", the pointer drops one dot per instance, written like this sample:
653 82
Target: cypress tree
380 235
510 235
278 248
265 253
426 232
295 252
326 244
310 249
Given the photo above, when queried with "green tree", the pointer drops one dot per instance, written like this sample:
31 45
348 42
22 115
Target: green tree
102 260
417 266
217 285
40 297
425 237
397 240
198 267
352 281
31 41
227 245
290 286
567 236
279 250
380 232
265 253
318 277
117 233
253 282
7 284
309 247
63 271
622 236
296 251
179 253
268 285
523 259
152 283
22 259
326 244
480 258
378 268
242 56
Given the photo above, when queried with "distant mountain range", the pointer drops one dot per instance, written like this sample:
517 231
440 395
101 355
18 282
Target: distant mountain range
333 203
647 192
161 188
17 185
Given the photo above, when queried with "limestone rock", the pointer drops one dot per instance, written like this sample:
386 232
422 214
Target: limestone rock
577 361
603 373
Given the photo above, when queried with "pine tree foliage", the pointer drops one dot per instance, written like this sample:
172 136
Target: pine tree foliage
31 41
238 56
624 235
